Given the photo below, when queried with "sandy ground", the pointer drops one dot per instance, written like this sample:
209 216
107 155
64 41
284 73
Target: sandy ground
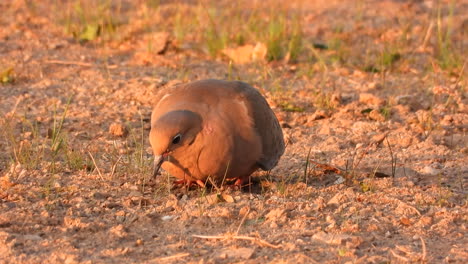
375 170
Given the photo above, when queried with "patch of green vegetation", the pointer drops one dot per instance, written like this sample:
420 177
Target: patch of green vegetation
371 68
295 42
214 42
365 187
383 62
337 45
24 143
77 161
58 140
447 56
90 20
239 39
324 100
35 145
386 111
255 221
88 33
389 58
290 107
134 160
307 167
276 31
334 43
179 27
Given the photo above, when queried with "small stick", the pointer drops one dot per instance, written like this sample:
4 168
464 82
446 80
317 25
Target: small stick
412 207
13 110
423 249
408 206
394 160
403 249
95 165
399 257
427 36
242 221
461 72
115 166
261 242
214 184
176 256
84 64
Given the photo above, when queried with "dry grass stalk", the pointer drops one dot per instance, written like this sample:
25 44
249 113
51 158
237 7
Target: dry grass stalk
77 63
114 167
258 241
400 257
235 235
424 252
96 166
242 221
176 256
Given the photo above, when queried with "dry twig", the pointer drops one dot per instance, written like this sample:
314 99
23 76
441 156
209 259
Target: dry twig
424 252
410 207
235 235
78 63
115 166
96 166
399 257
259 241
242 221
176 256
427 36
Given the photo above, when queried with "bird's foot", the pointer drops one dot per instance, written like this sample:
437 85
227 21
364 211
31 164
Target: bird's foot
189 183
238 183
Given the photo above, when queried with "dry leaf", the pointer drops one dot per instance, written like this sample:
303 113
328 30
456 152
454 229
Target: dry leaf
212 198
227 198
405 221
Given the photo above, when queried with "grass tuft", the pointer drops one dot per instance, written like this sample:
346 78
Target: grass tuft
89 20
295 42
446 55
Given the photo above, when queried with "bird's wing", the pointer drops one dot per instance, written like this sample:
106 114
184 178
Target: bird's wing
266 125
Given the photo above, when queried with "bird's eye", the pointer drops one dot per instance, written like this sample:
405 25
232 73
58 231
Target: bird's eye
176 139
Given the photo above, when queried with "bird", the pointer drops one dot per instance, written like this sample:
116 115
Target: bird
214 131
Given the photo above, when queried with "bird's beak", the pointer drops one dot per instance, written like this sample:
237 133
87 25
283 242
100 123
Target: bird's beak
158 160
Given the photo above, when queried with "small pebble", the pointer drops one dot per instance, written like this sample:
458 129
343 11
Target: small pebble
167 217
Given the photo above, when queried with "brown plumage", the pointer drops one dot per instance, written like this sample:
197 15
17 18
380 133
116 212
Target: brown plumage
212 128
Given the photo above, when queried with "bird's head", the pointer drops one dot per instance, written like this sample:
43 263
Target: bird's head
171 133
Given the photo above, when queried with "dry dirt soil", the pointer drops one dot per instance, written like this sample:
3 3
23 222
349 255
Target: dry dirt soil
373 107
